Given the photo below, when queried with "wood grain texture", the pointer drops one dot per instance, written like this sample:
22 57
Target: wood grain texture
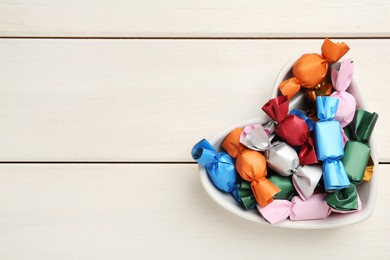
155 211
151 100
191 18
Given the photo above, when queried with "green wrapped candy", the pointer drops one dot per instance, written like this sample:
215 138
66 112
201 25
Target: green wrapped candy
357 151
344 200
355 160
245 193
284 183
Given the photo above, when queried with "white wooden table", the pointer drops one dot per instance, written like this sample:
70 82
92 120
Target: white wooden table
101 102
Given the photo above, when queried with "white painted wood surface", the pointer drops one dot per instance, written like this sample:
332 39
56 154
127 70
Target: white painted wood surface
111 99
143 100
156 211
194 18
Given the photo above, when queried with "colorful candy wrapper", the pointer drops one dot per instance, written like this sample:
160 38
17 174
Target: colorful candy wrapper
369 170
342 73
357 151
257 137
344 200
285 184
219 166
313 208
291 128
321 89
283 159
310 69
329 145
316 207
244 193
299 113
252 167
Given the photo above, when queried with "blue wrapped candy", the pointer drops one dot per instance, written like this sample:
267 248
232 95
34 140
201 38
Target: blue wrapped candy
329 144
222 172
219 166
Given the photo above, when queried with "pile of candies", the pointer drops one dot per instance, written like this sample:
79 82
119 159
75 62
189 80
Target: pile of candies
300 165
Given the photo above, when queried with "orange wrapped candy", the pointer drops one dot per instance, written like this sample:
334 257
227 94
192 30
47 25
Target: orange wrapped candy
252 167
310 69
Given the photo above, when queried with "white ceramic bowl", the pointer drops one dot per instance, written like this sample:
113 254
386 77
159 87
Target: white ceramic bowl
367 190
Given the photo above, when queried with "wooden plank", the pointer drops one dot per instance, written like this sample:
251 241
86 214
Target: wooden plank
155 211
142 100
191 18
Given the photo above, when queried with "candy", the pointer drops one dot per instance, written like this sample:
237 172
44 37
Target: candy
357 151
283 160
251 166
294 187
291 129
219 166
342 77
310 69
297 209
344 200
329 144
285 184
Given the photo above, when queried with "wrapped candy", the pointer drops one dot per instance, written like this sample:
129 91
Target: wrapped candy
357 151
369 170
310 123
251 166
318 206
262 137
219 166
313 208
329 145
310 69
344 200
285 184
245 194
321 89
291 129
257 137
283 159
341 78
291 189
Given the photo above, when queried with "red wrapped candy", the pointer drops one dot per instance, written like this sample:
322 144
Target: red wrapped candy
292 129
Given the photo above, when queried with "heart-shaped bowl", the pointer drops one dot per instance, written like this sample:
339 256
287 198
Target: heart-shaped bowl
367 190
